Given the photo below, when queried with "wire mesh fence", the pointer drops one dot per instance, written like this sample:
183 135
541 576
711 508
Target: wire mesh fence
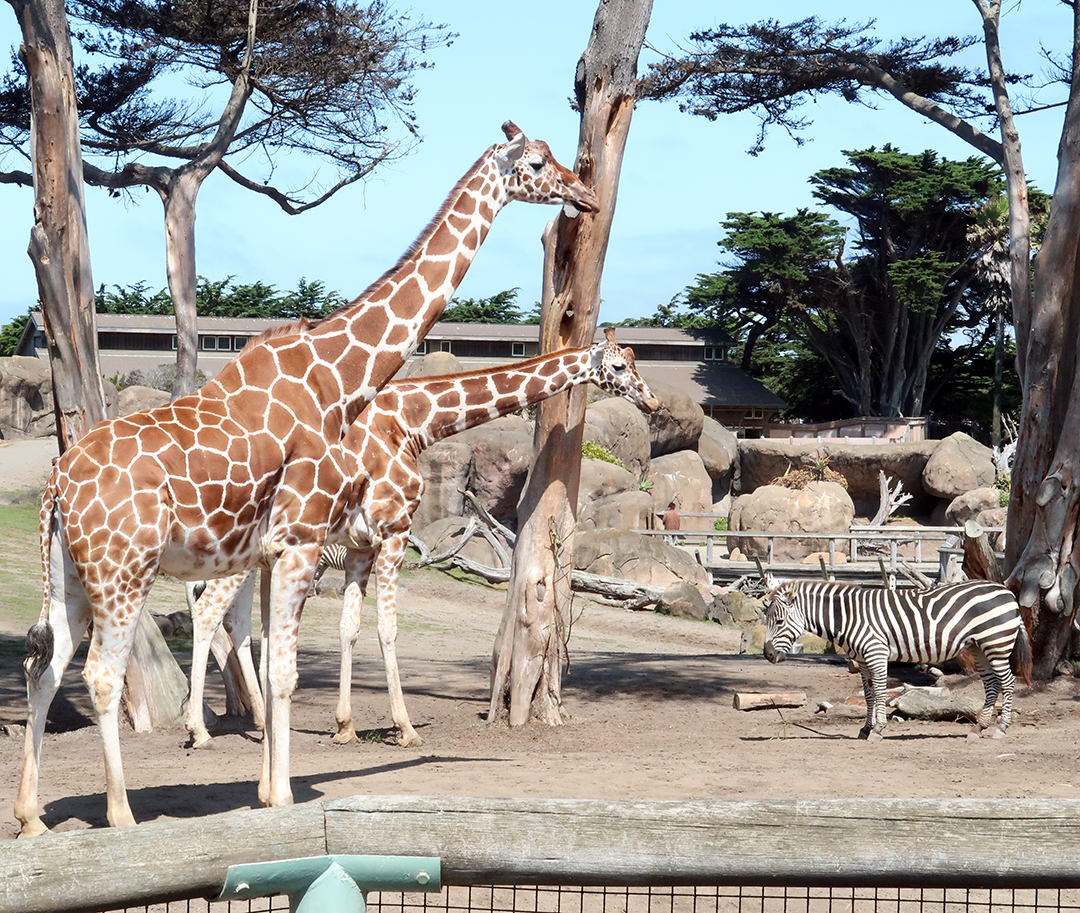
733 899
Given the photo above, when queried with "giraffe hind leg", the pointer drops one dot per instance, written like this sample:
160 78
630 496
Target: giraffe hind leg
51 644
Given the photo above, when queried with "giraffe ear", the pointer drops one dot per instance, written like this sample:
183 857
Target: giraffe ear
510 152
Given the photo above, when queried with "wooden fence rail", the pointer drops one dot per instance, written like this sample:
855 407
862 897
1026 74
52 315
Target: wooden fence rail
978 843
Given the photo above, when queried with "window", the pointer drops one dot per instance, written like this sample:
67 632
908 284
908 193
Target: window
422 348
215 343
238 342
518 350
444 346
710 353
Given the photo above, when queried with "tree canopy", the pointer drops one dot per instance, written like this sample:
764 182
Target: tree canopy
225 298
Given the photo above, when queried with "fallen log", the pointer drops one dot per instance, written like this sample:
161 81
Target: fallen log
766 700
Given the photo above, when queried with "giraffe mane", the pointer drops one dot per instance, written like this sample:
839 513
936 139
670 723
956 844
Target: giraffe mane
419 241
284 329
516 366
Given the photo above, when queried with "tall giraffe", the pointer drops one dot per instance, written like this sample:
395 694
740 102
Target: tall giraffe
382 450
244 472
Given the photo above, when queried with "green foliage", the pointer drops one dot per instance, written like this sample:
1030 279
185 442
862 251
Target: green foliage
10 333
590 450
721 525
225 298
499 308
645 483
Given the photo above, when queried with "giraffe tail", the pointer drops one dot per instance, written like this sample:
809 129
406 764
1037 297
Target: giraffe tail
1020 658
39 639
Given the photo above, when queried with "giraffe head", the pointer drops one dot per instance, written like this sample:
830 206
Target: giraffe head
532 174
614 371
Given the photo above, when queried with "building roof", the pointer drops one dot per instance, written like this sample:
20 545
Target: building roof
718 383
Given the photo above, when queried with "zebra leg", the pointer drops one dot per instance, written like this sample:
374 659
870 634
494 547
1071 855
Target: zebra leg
874 672
989 676
997 677
357 570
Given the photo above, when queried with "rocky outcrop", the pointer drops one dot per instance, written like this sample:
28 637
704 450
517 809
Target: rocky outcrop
444 467
718 448
681 477
971 504
431 365
820 507
959 464
643 559
502 453
677 424
683 600
761 461
622 429
26 401
609 497
137 399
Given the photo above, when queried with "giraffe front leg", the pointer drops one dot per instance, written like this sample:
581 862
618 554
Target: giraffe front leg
357 570
289 585
387 572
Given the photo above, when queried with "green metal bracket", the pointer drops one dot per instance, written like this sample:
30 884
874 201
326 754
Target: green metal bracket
331 884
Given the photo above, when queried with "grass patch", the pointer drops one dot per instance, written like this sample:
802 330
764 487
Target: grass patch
20 567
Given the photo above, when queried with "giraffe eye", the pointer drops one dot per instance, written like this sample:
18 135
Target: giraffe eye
537 164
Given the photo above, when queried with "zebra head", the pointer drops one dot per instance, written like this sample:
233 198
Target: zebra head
785 620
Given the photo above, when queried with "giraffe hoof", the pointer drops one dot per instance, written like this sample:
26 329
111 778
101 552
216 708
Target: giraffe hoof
35 827
201 743
344 737
411 741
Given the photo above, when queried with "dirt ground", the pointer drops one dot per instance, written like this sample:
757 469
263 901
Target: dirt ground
650 700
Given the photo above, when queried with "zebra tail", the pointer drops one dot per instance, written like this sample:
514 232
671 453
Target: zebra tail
1020 658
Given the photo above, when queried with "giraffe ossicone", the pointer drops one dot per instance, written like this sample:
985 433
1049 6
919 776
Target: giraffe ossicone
242 473
383 448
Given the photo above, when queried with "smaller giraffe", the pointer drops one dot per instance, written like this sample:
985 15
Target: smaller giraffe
383 448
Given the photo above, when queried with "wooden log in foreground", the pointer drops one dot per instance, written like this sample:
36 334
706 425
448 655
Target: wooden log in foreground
828 842
766 700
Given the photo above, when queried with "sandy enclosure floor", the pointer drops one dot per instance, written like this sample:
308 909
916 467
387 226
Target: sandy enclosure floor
650 700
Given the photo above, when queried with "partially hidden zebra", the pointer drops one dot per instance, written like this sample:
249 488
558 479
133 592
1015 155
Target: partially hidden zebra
874 625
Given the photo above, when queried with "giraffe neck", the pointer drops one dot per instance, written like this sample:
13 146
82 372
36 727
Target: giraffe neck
435 408
344 358
377 332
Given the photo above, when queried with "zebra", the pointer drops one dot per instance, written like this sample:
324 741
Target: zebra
874 625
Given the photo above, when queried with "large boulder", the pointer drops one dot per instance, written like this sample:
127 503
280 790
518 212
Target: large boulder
971 504
820 507
502 453
444 467
431 365
676 425
718 448
26 401
622 510
600 497
683 600
621 428
958 464
681 477
139 399
762 460
631 556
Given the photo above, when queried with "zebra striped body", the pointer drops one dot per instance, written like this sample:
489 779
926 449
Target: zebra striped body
874 625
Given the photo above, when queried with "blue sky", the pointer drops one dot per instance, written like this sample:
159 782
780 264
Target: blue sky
680 177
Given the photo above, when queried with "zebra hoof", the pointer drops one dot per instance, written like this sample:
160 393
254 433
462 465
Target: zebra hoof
874 736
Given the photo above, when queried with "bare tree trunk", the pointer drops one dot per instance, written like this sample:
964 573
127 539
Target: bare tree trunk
178 198
59 246
1044 505
529 649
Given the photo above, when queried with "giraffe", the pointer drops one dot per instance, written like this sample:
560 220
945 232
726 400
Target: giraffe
244 472
382 451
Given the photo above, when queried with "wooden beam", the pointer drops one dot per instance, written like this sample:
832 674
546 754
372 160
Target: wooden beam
765 700
978 843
